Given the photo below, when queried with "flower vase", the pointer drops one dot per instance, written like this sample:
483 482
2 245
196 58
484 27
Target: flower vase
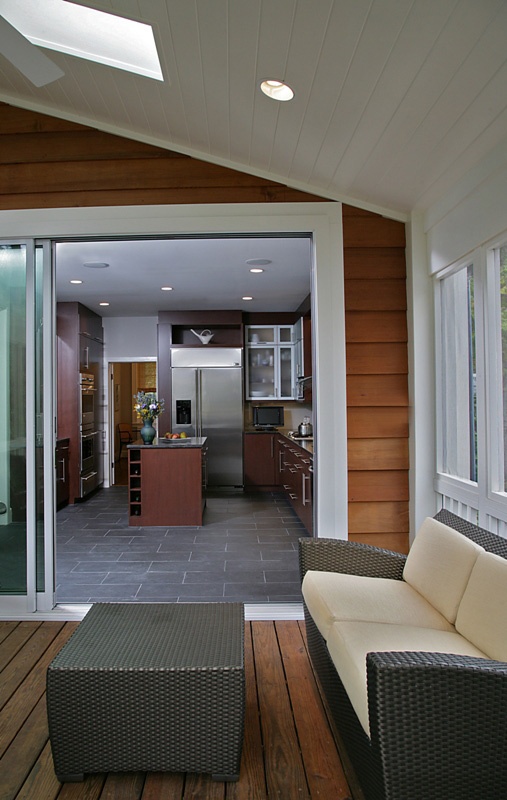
148 432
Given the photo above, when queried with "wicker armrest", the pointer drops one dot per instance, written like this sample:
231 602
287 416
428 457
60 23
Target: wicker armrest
438 724
353 558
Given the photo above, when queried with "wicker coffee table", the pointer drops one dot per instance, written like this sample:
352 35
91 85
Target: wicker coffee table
150 687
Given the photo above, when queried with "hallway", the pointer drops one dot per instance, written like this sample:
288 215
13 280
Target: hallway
247 550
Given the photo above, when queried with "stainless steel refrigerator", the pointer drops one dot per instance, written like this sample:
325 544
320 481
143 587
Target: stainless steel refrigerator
207 400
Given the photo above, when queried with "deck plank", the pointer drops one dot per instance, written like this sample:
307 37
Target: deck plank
288 750
284 767
17 709
322 764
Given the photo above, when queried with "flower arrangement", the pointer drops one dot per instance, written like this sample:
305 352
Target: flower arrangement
147 406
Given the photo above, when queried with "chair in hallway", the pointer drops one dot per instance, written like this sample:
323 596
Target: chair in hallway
125 435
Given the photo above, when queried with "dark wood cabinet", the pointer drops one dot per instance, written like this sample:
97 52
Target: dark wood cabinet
166 485
295 477
62 472
259 462
78 351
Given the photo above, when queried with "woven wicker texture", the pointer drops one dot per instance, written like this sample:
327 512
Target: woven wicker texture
154 687
352 558
438 723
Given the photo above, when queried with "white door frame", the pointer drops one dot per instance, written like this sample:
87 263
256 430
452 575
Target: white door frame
323 221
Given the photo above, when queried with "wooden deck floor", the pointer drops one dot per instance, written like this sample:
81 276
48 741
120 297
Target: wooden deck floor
289 751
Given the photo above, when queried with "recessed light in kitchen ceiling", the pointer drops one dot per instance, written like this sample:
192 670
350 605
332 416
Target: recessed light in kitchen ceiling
103 304
76 282
247 297
277 90
166 288
256 270
258 262
95 264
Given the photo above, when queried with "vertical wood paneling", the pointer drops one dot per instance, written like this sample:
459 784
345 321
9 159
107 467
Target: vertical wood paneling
50 163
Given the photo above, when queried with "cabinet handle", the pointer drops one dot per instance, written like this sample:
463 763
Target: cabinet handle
305 478
62 461
272 447
281 468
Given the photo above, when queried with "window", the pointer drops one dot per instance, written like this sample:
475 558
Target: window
459 407
471 317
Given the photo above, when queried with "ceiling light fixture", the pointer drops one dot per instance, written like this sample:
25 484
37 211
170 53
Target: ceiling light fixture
256 270
95 264
76 282
277 90
103 303
166 288
247 297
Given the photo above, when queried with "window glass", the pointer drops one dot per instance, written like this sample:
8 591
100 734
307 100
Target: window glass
13 488
459 405
502 253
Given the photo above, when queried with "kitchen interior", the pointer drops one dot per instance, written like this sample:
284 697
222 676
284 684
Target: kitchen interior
220 328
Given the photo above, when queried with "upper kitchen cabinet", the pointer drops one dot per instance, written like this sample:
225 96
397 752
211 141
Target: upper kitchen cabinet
303 358
270 365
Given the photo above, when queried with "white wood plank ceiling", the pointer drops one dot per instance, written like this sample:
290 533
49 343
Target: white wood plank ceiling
395 100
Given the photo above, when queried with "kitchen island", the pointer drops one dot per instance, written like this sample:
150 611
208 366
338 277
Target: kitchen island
167 482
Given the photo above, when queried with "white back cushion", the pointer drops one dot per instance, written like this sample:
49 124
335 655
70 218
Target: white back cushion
482 615
332 596
439 564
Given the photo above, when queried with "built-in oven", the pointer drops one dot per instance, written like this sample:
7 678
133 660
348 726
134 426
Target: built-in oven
89 435
87 400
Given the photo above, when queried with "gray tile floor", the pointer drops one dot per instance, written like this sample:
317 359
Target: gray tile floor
246 550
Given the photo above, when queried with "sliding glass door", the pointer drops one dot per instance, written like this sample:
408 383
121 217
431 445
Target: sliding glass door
25 452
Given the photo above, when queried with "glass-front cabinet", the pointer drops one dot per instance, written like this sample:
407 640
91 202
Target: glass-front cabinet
270 362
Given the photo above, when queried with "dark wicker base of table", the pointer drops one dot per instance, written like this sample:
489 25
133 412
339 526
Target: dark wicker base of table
150 687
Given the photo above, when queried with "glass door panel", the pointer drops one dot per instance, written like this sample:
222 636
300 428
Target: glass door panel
286 382
13 420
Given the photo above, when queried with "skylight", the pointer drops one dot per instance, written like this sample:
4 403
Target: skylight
86 33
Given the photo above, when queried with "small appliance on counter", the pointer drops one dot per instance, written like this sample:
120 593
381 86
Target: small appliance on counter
305 429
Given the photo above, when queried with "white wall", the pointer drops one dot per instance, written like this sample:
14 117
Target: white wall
130 337
471 215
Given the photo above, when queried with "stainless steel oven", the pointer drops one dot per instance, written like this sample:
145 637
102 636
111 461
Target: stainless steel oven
88 450
87 399
89 435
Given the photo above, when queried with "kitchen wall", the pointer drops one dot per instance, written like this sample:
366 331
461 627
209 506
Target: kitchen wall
61 164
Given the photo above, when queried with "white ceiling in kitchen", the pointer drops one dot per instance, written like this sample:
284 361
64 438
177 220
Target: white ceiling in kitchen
204 273
395 100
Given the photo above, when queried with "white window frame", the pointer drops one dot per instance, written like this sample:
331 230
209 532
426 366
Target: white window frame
481 502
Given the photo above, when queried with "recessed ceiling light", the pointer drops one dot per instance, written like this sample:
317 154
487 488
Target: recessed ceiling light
103 304
76 281
95 264
258 262
247 297
277 90
256 269
166 288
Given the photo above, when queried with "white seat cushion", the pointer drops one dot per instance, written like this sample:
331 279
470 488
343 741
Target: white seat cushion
334 596
439 564
482 615
349 642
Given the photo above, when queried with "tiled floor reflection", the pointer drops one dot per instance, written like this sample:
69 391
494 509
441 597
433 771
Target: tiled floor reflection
247 550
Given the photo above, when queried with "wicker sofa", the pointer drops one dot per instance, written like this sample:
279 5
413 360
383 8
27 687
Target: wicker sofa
413 666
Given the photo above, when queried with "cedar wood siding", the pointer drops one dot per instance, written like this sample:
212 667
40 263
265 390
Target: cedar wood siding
46 162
